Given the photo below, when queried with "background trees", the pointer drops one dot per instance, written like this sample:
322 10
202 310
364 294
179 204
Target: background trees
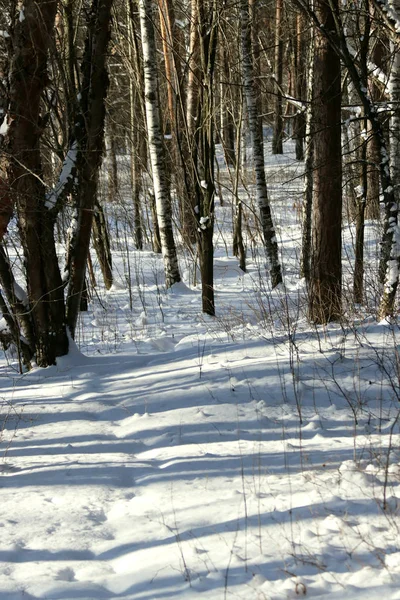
182 77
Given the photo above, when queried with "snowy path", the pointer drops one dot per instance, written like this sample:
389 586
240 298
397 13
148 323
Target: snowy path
143 476
171 462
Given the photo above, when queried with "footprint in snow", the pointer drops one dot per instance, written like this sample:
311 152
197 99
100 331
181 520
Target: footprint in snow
66 574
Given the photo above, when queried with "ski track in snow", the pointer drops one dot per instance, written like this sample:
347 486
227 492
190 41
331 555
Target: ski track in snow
170 461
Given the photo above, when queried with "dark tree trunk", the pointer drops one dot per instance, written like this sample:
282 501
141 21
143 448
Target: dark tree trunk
227 124
206 156
326 265
300 84
112 188
90 137
101 243
277 140
28 78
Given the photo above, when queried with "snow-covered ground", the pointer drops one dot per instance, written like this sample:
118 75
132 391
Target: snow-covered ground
249 456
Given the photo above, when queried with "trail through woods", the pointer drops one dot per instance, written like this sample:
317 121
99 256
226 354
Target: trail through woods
176 455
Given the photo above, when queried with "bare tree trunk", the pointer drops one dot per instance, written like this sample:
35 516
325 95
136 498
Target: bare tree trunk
112 188
206 190
227 125
277 139
19 308
362 194
238 245
372 210
90 136
390 255
305 259
31 41
190 137
372 158
361 202
137 141
101 243
390 259
300 84
270 242
182 160
194 72
325 294
160 180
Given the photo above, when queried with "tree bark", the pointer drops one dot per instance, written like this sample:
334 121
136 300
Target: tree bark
28 79
102 246
325 294
270 242
300 84
156 147
90 138
207 15
305 259
277 139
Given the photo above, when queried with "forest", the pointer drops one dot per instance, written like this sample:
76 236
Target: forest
84 84
199 269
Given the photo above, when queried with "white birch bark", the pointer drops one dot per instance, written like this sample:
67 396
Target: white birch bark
305 260
270 242
392 230
155 141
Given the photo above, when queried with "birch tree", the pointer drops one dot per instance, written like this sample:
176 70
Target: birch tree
155 142
390 259
277 139
268 230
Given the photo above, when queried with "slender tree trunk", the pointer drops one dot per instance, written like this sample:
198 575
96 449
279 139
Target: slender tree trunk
270 242
372 158
136 183
390 259
160 179
182 161
102 246
277 139
138 146
112 188
372 210
206 156
361 201
19 308
227 125
255 48
238 245
305 259
193 72
362 194
189 148
300 75
90 137
326 264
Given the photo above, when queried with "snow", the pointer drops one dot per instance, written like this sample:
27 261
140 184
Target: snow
65 175
172 455
4 127
20 294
